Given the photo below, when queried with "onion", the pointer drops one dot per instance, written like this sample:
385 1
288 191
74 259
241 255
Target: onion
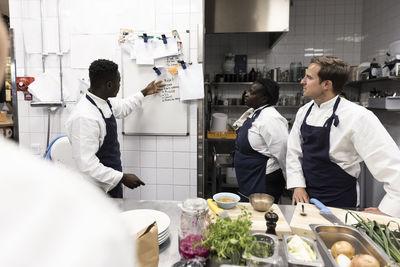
342 247
342 260
364 260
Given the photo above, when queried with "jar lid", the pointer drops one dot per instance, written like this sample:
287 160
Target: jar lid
195 205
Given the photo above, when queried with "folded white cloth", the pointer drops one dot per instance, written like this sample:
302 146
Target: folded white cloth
237 124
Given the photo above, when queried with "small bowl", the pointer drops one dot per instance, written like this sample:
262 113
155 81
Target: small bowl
224 204
261 201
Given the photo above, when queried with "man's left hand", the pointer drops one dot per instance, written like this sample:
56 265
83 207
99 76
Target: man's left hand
153 88
375 211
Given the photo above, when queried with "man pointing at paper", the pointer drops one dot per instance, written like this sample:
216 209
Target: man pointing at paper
92 127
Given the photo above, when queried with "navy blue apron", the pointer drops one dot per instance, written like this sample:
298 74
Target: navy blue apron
250 165
109 153
325 180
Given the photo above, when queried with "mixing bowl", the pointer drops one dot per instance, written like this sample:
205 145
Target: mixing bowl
226 200
261 201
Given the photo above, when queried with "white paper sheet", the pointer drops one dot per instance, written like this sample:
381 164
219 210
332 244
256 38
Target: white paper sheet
191 82
46 87
165 50
144 52
87 48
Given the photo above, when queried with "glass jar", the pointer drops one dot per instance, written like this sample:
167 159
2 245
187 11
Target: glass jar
194 222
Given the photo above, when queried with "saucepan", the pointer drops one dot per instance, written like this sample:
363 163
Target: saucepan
260 201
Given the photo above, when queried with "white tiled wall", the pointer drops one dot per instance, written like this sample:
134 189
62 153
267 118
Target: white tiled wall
380 27
166 164
317 27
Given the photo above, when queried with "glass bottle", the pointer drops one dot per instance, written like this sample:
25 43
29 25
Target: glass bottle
194 223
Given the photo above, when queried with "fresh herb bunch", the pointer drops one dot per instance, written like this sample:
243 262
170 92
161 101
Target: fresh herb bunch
229 239
381 235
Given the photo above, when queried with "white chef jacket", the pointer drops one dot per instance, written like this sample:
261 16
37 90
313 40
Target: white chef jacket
86 130
52 216
268 136
360 136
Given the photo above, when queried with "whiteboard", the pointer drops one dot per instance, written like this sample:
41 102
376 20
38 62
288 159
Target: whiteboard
162 113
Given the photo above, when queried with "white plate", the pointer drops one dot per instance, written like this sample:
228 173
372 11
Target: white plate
163 235
160 241
141 218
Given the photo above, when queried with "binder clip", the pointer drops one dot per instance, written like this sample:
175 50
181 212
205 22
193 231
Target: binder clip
164 38
145 37
157 70
183 64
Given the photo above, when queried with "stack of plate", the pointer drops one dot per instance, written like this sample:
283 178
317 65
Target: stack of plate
141 218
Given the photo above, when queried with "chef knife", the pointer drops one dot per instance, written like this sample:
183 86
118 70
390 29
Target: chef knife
324 211
218 211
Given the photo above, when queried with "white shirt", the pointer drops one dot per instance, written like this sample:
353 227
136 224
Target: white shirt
52 216
360 136
268 136
86 130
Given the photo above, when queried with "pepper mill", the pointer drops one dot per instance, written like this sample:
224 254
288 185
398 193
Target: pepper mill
271 218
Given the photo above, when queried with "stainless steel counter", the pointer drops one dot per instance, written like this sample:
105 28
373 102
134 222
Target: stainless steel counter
169 253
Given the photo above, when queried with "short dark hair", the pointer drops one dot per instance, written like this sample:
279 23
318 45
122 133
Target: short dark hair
102 71
270 89
333 69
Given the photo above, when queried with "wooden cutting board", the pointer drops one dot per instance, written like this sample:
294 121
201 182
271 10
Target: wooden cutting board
300 224
259 223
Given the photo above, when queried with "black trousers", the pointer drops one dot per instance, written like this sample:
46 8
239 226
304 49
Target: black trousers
275 184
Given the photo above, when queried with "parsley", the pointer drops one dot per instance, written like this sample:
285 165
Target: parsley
229 239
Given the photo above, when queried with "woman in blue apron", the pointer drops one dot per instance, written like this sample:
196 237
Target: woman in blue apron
325 180
251 150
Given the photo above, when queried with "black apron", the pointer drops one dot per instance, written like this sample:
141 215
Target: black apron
109 153
250 166
325 180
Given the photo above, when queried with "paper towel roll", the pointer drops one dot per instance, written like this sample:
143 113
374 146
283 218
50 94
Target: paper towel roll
218 122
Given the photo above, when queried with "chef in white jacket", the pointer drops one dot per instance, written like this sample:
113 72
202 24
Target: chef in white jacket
329 139
92 127
260 146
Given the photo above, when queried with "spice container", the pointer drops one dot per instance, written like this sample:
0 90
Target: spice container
273 260
292 261
194 222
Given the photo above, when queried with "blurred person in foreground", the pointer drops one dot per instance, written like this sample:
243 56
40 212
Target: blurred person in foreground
329 139
51 216
92 127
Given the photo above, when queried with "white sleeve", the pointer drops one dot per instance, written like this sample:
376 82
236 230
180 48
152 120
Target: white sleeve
275 135
382 157
84 135
124 107
294 155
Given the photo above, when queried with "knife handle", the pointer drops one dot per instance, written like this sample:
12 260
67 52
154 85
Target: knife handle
213 206
322 207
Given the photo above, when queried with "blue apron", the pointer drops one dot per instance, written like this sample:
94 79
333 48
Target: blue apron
250 165
109 153
325 180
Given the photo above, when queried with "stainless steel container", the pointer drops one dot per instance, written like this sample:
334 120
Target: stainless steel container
327 235
274 260
293 262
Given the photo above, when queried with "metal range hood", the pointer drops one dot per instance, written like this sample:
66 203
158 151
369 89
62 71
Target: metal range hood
245 16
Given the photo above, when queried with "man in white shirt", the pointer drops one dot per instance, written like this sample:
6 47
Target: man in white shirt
92 127
260 147
329 139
